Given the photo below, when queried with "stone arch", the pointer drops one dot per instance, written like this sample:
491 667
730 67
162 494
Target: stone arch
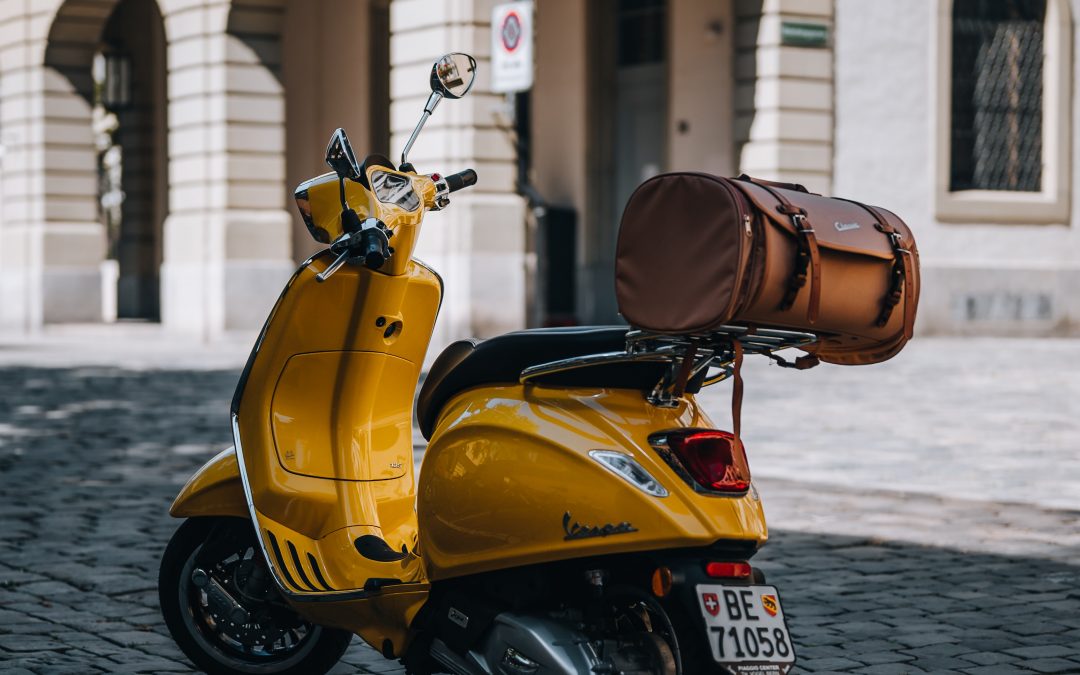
76 285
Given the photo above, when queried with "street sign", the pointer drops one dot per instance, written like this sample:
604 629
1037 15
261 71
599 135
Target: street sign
512 47
799 34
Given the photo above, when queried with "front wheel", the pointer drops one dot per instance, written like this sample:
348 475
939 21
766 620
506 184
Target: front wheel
223 610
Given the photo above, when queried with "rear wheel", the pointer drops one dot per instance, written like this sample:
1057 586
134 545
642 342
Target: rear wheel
223 610
649 642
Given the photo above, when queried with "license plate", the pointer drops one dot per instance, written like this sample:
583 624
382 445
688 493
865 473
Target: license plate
746 629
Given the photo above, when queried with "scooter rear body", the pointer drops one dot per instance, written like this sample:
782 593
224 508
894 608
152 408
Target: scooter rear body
508 480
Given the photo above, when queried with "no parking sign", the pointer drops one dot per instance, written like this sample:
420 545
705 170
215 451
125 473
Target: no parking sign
512 46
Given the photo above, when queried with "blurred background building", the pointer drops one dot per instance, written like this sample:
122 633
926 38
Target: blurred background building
150 147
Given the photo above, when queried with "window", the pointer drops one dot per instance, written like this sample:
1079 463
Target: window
997 77
1003 102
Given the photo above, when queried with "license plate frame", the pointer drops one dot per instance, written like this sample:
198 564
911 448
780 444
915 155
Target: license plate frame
746 628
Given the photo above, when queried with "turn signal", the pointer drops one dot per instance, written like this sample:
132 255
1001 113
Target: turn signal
728 570
661 582
713 459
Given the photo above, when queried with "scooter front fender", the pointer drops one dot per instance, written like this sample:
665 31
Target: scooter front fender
214 490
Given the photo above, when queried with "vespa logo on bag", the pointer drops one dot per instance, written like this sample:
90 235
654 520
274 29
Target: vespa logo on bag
844 227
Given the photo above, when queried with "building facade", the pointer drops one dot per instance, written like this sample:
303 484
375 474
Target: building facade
150 147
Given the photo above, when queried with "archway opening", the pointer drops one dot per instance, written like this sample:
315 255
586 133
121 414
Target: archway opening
130 128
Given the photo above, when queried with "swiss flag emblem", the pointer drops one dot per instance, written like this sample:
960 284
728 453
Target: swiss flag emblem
711 603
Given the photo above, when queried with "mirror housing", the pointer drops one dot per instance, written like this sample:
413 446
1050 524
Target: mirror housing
341 158
452 76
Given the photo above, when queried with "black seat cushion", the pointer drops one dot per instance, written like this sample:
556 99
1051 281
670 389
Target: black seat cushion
471 363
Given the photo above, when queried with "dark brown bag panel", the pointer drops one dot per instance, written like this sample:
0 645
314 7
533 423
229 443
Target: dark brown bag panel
657 265
697 251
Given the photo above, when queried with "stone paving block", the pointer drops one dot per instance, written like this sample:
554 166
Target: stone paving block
1042 651
887 669
999 669
938 664
1051 665
923 639
830 663
989 658
29 643
882 657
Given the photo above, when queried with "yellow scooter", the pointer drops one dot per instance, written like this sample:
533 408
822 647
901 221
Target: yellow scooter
576 510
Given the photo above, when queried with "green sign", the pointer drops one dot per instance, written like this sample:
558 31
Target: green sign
798 34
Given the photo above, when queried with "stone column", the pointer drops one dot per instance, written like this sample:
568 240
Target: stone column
51 242
227 250
478 244
784 94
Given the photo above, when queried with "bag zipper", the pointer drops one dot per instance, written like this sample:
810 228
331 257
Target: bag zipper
746 258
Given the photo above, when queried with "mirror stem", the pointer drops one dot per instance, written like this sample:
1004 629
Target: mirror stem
429 107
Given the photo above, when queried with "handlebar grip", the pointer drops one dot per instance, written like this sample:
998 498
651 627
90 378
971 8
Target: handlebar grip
463 179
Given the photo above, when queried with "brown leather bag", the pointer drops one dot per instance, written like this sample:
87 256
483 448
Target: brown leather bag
697 251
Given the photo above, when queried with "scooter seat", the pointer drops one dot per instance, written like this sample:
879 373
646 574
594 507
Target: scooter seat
472 363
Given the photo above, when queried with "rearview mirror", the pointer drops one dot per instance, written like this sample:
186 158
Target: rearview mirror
340 156
453 75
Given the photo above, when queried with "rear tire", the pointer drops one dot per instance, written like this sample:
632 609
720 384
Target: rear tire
305 648
695 653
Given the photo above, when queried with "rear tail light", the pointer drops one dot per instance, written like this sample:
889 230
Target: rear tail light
728 570
710 460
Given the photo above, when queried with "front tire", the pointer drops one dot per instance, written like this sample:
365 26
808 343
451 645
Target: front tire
272 640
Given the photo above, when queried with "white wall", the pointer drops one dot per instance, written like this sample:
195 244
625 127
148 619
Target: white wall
885 155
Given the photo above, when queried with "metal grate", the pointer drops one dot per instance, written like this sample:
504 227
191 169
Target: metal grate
997 91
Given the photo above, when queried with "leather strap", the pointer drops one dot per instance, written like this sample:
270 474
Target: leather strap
901 277
772 183
804 362
807 257
737 393
685 369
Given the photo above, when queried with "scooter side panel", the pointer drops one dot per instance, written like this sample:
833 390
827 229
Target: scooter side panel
214 490
507 475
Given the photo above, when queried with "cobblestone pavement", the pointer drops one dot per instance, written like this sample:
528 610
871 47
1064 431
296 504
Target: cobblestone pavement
873 581
980 419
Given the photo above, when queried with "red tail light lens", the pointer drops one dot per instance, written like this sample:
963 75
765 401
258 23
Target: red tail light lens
728 570
715 460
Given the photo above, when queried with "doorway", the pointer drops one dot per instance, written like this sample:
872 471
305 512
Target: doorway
636 106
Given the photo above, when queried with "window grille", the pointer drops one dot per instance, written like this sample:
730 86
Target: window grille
997 95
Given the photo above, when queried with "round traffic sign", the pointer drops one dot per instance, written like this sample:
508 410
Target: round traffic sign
511 31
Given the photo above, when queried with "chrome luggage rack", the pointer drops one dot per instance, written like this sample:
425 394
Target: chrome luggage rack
687 356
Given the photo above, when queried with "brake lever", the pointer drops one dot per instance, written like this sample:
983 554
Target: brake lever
333 267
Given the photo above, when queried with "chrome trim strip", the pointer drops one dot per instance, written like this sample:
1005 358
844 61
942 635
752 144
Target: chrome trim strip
442 288
251 504
588 360
761 338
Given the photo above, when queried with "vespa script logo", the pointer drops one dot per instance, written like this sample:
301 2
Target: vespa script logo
844 227
579 531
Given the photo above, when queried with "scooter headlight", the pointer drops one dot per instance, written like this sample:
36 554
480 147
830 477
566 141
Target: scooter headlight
627 468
